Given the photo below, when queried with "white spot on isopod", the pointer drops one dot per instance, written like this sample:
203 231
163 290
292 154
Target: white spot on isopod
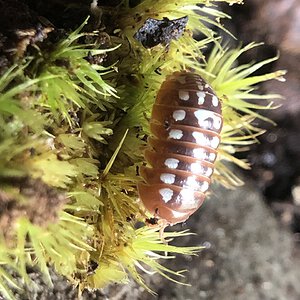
204 186
172 163
166 194
201 97
183 95
176 134
192 182
204 117
196 168
214 143
215 101
179 115
208 172
217 122
199 153
187 195
167 178
201 139
212 156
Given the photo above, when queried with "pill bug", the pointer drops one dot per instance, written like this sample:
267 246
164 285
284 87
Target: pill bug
185 130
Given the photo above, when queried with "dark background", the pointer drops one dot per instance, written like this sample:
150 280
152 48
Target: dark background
276 160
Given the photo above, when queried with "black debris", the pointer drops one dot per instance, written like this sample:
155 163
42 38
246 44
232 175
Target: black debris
155 32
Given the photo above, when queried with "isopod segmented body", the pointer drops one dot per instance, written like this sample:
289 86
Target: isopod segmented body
185 129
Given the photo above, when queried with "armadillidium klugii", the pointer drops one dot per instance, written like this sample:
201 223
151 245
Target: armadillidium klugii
185 129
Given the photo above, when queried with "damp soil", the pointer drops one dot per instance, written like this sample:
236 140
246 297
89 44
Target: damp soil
251 235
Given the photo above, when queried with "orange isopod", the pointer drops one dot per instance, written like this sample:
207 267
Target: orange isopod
185 129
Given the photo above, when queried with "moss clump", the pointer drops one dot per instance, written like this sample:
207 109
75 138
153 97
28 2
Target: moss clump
73 123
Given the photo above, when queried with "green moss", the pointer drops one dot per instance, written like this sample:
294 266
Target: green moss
73 122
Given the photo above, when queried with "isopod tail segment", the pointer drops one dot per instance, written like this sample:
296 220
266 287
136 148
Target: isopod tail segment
185 128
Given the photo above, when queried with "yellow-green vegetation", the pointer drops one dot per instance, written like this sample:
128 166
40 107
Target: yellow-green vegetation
73 123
